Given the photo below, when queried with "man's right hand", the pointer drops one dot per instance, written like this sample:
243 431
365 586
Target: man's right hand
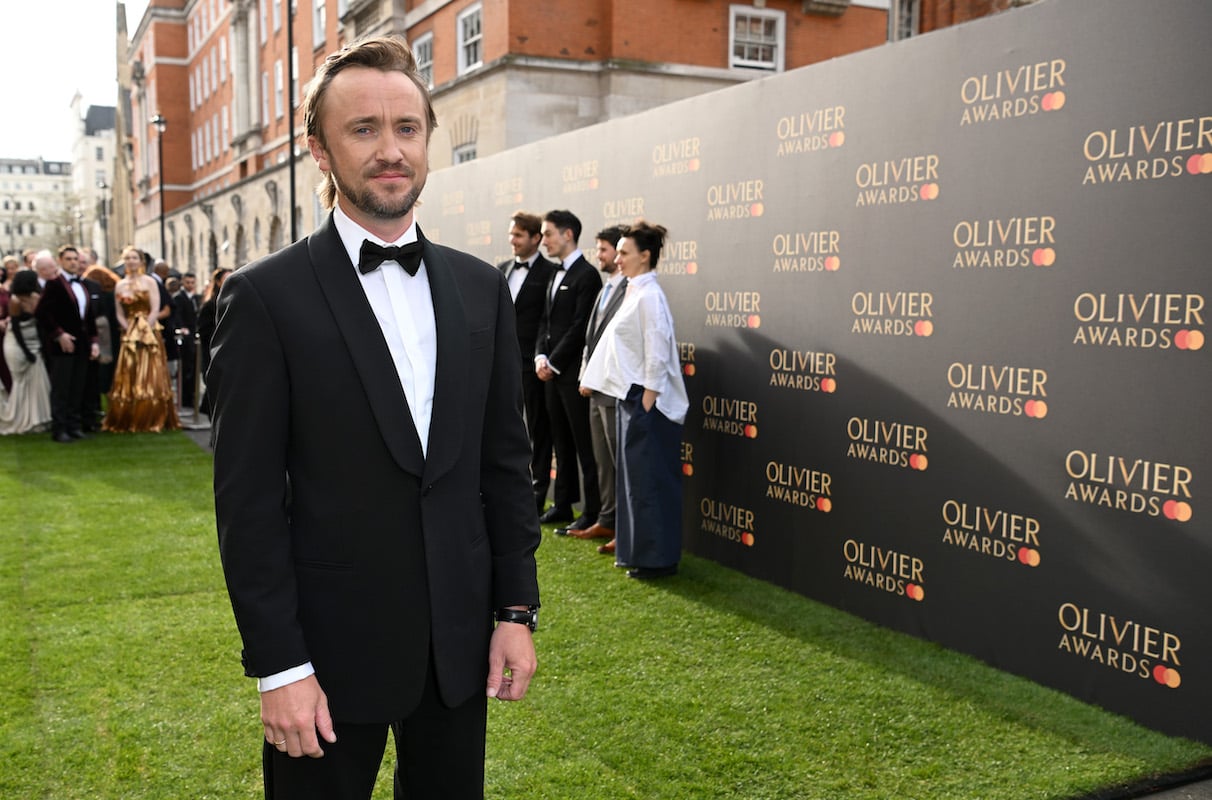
67 342
294 714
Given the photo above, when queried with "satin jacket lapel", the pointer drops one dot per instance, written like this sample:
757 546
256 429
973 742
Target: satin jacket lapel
367 347
450 382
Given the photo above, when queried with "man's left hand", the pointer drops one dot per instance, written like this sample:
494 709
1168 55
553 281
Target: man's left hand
511 650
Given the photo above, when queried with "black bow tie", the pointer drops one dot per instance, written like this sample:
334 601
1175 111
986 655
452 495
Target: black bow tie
73 279
372 255
519 264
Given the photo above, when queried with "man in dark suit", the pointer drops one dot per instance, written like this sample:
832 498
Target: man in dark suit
561 342
69 334
601 406
371 485
185 317
527 274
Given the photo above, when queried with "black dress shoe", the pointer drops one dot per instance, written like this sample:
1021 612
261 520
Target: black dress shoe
79 435
651 573
556 514
63 438
582 523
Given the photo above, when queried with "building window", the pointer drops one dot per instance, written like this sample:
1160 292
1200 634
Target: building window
264 98
222 60
261 19
422 50
277 15
319 25
757 38
226 138
100 153
279 90
464 153
294 82
471 36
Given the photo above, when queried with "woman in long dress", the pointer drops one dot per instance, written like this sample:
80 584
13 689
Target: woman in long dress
636 361
141 397
25 408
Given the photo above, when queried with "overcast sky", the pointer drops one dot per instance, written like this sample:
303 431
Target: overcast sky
52 49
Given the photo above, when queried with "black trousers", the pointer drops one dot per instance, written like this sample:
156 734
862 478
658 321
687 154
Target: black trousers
569 413
539 428
68 372
439 755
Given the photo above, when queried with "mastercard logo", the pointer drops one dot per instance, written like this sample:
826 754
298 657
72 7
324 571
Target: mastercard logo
1036 409
832 263
824 504
692 268
915 592
837 139
1166 676
923 327
929 191
828 385
751 431
747 539
1189 340
694 164
1043 257
919 462
1200 164
754 321
688 469
1178 510
1028 556
1052 101
688 370
757 210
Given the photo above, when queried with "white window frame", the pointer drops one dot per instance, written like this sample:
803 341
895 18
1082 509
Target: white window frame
464 42
422 50
222 60
279 90
294 84
277 15
264 99
262 19
319 23
777 63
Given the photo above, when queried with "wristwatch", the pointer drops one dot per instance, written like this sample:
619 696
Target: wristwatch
529 617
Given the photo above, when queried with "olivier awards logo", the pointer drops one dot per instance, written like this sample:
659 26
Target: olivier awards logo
687 456
1153 320
478 233
888 571
803 370
679 258
678 157
1132 485
623 209
1019 91
1010 242
742 199
730 416
811 131
1130 647
686 357
580 177
508 192
999 534
799 486
739 309
998 389
897 181
893 313
452 203
895 444
1150 151
727 521
806 251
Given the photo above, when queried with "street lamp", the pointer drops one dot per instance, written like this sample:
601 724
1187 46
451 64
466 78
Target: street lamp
161 123
103 203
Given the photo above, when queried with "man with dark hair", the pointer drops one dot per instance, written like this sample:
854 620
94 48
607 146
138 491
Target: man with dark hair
561 342
374 513
66 324
602 406
527 274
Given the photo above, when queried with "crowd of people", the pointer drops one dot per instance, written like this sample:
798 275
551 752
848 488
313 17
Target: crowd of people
606 395
85 348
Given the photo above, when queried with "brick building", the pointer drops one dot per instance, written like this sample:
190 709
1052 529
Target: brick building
503 73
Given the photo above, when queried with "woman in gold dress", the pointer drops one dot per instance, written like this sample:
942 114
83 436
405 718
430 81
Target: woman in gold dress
141 398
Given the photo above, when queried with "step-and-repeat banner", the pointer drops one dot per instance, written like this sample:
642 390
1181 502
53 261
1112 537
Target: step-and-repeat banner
942 311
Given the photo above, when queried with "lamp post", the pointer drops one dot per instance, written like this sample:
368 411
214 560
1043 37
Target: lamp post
161 123
103 203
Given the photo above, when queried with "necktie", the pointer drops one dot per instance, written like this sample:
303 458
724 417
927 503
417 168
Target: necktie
605 294
372 255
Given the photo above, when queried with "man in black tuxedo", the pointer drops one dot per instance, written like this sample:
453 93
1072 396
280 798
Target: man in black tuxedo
69 335
527 274
561 341
185 317
371 484
601 406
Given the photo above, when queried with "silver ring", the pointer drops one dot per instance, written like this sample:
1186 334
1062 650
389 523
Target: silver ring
279 744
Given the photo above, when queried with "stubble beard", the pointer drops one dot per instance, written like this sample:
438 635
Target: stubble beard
385 208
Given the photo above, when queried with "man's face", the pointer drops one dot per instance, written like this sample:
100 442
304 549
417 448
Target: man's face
189 282
69 262
523 243
375 144
606 253
46 267
556 242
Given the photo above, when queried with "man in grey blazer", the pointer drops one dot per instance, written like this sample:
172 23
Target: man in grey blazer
371 483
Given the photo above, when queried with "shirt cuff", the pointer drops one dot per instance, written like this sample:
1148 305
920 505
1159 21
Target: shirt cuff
280 679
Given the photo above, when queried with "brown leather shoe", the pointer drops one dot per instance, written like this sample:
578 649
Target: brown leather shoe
594 531
607 549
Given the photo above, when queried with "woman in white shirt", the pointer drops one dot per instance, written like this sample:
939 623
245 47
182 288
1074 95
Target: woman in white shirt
636 362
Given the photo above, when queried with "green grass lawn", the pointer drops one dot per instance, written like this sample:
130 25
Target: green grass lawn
119 663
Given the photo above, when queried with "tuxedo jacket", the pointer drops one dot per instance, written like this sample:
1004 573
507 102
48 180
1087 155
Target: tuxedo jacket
529 304
561 333
341 543
59 312
599 319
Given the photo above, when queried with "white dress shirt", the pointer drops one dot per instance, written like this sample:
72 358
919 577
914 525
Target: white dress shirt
639 347
403 306
517 275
